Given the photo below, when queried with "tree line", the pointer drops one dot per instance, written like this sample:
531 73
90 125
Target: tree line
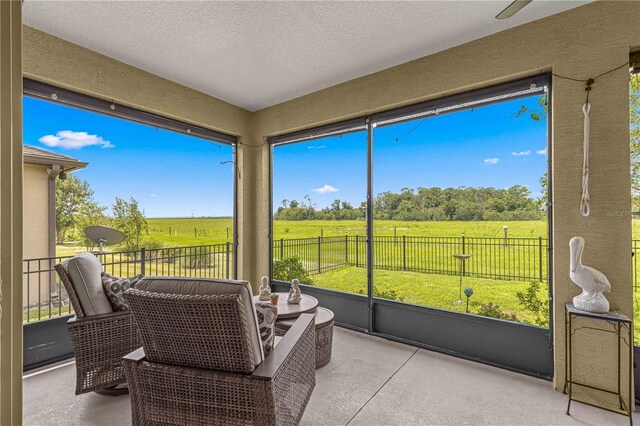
76 209
427 204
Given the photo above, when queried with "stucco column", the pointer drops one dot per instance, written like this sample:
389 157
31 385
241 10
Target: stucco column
11 212
607 231
253 236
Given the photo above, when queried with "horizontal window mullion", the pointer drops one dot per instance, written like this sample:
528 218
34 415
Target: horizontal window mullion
477 98
340 128
54 94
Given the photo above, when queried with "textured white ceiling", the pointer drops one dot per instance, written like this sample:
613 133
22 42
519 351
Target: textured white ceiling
257 54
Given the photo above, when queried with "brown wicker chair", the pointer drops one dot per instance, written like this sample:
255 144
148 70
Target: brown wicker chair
99 343
199 364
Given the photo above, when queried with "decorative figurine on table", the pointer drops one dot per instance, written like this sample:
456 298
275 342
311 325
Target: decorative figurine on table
592 282
265 290
294 294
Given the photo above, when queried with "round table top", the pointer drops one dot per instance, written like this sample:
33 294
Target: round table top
285 310
323 318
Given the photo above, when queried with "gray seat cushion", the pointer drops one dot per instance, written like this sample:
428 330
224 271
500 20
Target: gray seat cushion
212 287
85 272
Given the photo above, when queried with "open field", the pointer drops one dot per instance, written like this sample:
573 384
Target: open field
330 228
199 231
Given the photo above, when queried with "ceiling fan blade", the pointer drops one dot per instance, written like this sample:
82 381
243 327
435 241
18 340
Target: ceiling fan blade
512 9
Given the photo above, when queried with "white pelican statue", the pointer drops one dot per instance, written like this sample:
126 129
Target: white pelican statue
592 282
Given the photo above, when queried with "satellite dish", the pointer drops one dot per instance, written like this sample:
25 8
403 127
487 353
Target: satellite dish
103 235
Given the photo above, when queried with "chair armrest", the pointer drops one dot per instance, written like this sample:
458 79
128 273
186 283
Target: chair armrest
280 353
98 317
136 356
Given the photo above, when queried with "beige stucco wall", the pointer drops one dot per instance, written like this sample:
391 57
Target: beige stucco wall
36 231
580 43
36 211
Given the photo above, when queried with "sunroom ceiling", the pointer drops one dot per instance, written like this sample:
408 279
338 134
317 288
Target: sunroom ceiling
257 54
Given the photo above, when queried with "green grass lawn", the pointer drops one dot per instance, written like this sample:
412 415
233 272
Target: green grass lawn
436 291
440 291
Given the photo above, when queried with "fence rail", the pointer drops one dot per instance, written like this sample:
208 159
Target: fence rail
44 295
520 259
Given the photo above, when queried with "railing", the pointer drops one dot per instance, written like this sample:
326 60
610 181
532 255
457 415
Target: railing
45 297
518 259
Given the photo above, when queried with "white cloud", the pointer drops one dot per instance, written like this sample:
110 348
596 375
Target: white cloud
68 139
521 153
491 161
326 189
542 151
316 147
153 195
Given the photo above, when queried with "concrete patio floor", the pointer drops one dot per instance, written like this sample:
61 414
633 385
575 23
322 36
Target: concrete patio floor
369 381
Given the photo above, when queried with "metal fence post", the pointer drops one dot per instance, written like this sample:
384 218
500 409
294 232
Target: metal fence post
319 250
281 248
143 261
346 249
540 256
404 252
227 259
464 251
357 244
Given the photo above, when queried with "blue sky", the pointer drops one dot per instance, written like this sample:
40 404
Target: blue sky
170 174
485 146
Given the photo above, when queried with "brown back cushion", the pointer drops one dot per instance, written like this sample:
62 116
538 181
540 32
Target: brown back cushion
197 322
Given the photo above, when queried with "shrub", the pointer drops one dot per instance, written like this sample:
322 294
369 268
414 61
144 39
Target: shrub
493 311
385 294
289 268
152 247
198 261
531 300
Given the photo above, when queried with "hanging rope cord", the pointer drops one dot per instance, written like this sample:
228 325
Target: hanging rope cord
585 207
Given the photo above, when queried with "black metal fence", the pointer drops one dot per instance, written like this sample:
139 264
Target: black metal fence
44 295
520 259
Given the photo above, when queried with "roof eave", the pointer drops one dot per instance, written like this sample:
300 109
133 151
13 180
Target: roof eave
67 165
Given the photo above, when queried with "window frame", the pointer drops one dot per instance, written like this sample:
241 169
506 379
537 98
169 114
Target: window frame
49 93
535 344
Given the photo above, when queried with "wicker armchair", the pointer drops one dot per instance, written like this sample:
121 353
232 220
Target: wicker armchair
99 343
199 364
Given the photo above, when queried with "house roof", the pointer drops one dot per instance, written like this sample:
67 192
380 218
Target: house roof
33 155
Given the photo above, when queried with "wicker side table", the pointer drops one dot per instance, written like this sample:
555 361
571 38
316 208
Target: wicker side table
324 334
